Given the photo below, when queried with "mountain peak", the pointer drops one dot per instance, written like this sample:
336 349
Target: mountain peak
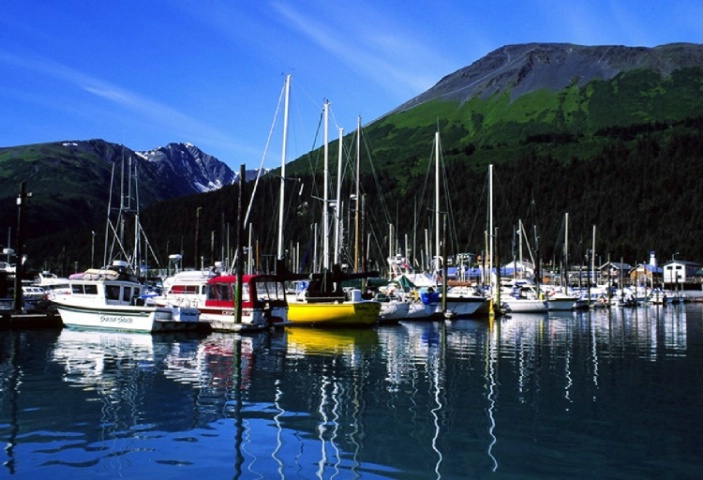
523 68
186 163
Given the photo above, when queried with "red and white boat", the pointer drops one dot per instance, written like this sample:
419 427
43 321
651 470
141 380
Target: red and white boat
264 303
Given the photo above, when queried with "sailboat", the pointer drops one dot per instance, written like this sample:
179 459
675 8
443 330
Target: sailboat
459 301
562 298
112 297
324 301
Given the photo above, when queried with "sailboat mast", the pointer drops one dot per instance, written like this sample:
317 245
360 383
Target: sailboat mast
565 279
338 203
519 229
391 254
283 168
593 252
436 199
137 234
357 195
490 222
325 219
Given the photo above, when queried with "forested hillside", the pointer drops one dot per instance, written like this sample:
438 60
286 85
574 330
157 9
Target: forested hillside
618 145
640 190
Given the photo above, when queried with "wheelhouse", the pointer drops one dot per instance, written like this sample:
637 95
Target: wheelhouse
257 291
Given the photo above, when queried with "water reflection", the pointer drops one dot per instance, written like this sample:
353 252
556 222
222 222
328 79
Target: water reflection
451 399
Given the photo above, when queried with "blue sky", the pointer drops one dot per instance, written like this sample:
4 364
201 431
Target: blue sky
145 73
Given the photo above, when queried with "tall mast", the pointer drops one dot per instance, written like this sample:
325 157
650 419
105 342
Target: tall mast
490 223
565 278
436 199
593 253
519 229
357 195
338 204
283 169
325 219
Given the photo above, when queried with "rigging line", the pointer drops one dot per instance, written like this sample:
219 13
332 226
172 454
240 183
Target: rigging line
108 223
453 236
498 185
476 214
561 237
384 206
263 157
245 222
313 167
425 187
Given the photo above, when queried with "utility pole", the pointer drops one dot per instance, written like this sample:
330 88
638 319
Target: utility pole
196 261
19 266
239 265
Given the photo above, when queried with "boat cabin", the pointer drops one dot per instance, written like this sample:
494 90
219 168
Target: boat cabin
111 292
257 291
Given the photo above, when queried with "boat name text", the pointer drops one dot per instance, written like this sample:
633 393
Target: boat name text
111 319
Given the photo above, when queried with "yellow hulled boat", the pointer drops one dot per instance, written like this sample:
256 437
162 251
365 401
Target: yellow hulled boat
348 313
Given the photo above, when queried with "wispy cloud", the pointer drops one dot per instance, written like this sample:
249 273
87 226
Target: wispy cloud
142 108
389 59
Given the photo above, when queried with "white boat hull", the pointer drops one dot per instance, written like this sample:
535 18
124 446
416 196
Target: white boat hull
420 311
562 304
463 307
128 318
394 310
526 305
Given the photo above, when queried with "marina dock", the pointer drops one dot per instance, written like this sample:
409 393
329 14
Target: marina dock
14 320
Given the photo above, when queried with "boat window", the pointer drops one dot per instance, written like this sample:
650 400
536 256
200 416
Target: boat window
219 291
224 292
185 289
91 289
76 288
126 294
269 290
112 292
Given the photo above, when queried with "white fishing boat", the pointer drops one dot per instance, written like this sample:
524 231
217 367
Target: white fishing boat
112 298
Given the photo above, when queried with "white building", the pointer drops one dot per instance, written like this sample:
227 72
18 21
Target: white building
680 271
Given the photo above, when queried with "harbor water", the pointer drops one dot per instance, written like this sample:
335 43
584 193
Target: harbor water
601 394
